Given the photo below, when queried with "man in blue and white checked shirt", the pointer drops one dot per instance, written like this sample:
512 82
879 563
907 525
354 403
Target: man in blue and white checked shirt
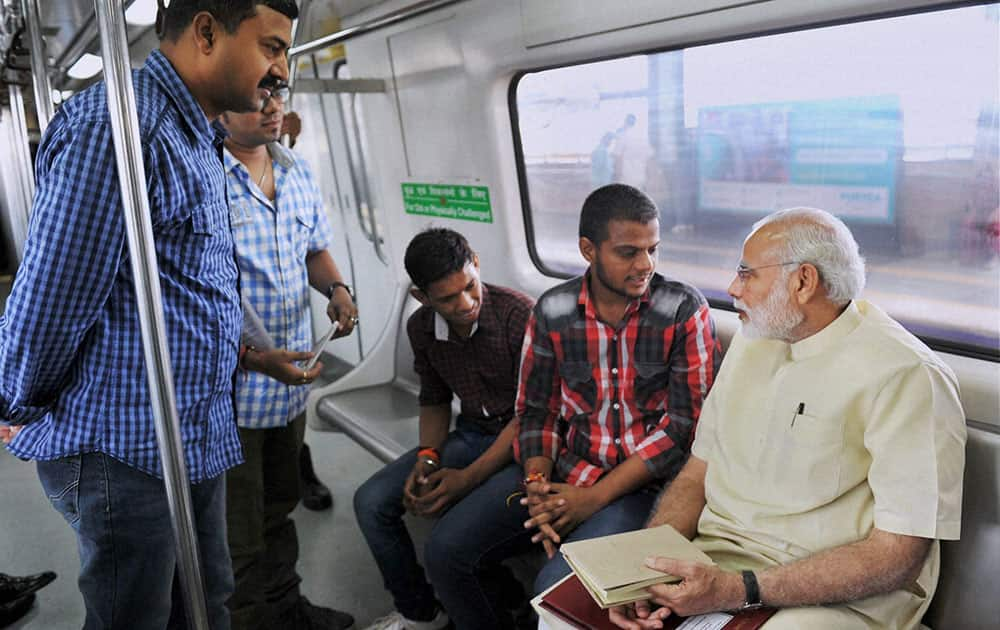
282 235
73 388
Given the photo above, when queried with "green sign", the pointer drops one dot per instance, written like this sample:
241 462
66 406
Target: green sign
469 203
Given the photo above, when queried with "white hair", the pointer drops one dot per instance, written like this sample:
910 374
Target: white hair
811 235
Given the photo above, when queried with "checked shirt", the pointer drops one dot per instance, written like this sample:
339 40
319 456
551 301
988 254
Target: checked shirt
70 346
591 395
272 242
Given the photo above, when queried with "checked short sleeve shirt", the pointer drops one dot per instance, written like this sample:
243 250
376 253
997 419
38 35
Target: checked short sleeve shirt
70 347
591 395
272 242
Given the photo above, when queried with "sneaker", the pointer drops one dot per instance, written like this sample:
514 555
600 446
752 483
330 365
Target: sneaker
315 495
12 587
308 616
396 621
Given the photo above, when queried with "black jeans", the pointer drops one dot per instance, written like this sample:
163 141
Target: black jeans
260 495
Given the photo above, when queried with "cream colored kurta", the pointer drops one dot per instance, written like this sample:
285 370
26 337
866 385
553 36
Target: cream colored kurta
880 443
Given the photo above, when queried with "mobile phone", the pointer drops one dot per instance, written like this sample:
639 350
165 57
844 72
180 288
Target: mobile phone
318 348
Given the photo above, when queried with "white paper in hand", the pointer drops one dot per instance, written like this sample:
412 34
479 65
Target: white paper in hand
254 333
318 348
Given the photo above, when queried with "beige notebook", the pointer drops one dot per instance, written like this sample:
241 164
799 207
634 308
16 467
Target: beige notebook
613 568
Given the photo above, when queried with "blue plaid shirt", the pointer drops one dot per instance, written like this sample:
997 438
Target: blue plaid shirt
70 346
272 241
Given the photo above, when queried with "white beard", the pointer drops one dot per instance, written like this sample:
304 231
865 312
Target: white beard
776 318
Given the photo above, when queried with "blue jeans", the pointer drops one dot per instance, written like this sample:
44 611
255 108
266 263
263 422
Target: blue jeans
378 505
625 514
485 528
126 544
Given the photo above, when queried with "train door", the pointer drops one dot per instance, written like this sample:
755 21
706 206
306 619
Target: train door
334 142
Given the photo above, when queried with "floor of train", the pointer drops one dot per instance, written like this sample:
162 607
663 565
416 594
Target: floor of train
335 564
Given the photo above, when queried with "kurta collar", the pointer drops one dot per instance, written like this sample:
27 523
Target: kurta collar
831 336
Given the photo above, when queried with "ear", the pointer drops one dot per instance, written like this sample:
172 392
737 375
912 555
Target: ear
588 249
205 30
475 261
420 296
806 283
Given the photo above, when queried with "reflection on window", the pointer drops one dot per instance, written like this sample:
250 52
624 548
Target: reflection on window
891 124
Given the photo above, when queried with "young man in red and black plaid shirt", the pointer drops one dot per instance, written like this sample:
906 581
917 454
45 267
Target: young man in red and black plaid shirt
615 366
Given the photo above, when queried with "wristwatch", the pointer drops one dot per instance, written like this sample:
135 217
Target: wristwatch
752 601
333 287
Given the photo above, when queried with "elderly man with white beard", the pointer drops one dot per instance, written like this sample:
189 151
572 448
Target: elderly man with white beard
829 458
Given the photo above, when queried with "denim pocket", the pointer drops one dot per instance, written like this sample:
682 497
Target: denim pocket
61 481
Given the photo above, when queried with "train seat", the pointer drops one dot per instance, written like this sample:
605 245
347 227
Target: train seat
381 418
967 589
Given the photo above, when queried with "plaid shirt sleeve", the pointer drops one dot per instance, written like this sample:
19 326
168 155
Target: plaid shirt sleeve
694 358
433 389
74 210
538 396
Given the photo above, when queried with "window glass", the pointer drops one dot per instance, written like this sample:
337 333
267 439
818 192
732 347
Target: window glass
890 124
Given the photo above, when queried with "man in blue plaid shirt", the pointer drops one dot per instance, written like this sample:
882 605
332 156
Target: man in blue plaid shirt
73 388
282 234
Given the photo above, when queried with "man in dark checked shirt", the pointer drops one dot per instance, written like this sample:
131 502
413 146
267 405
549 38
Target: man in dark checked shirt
466 341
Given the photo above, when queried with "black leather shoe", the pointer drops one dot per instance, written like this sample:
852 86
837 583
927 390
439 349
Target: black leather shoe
304 615
13 610
315 495
13 587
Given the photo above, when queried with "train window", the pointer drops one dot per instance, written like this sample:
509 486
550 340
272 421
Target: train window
891 124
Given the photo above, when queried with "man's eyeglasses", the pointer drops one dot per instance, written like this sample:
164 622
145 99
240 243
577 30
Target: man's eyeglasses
744 273
279 93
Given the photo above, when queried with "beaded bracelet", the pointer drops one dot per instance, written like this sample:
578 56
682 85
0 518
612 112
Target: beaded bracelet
429 455
533 477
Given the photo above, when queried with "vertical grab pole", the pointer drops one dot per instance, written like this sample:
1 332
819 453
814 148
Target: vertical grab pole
22 166
142 255
39 63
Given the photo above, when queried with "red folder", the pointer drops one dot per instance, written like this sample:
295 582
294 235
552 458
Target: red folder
571 602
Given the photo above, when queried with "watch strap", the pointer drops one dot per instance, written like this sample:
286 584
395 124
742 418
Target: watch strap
752 591
333 287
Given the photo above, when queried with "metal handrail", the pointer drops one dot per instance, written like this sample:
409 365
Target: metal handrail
142 256
22 167
339 204
39 64
405 13
85 39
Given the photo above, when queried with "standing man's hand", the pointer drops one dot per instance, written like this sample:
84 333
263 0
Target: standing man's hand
342 310
291 126
282 365
7 433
